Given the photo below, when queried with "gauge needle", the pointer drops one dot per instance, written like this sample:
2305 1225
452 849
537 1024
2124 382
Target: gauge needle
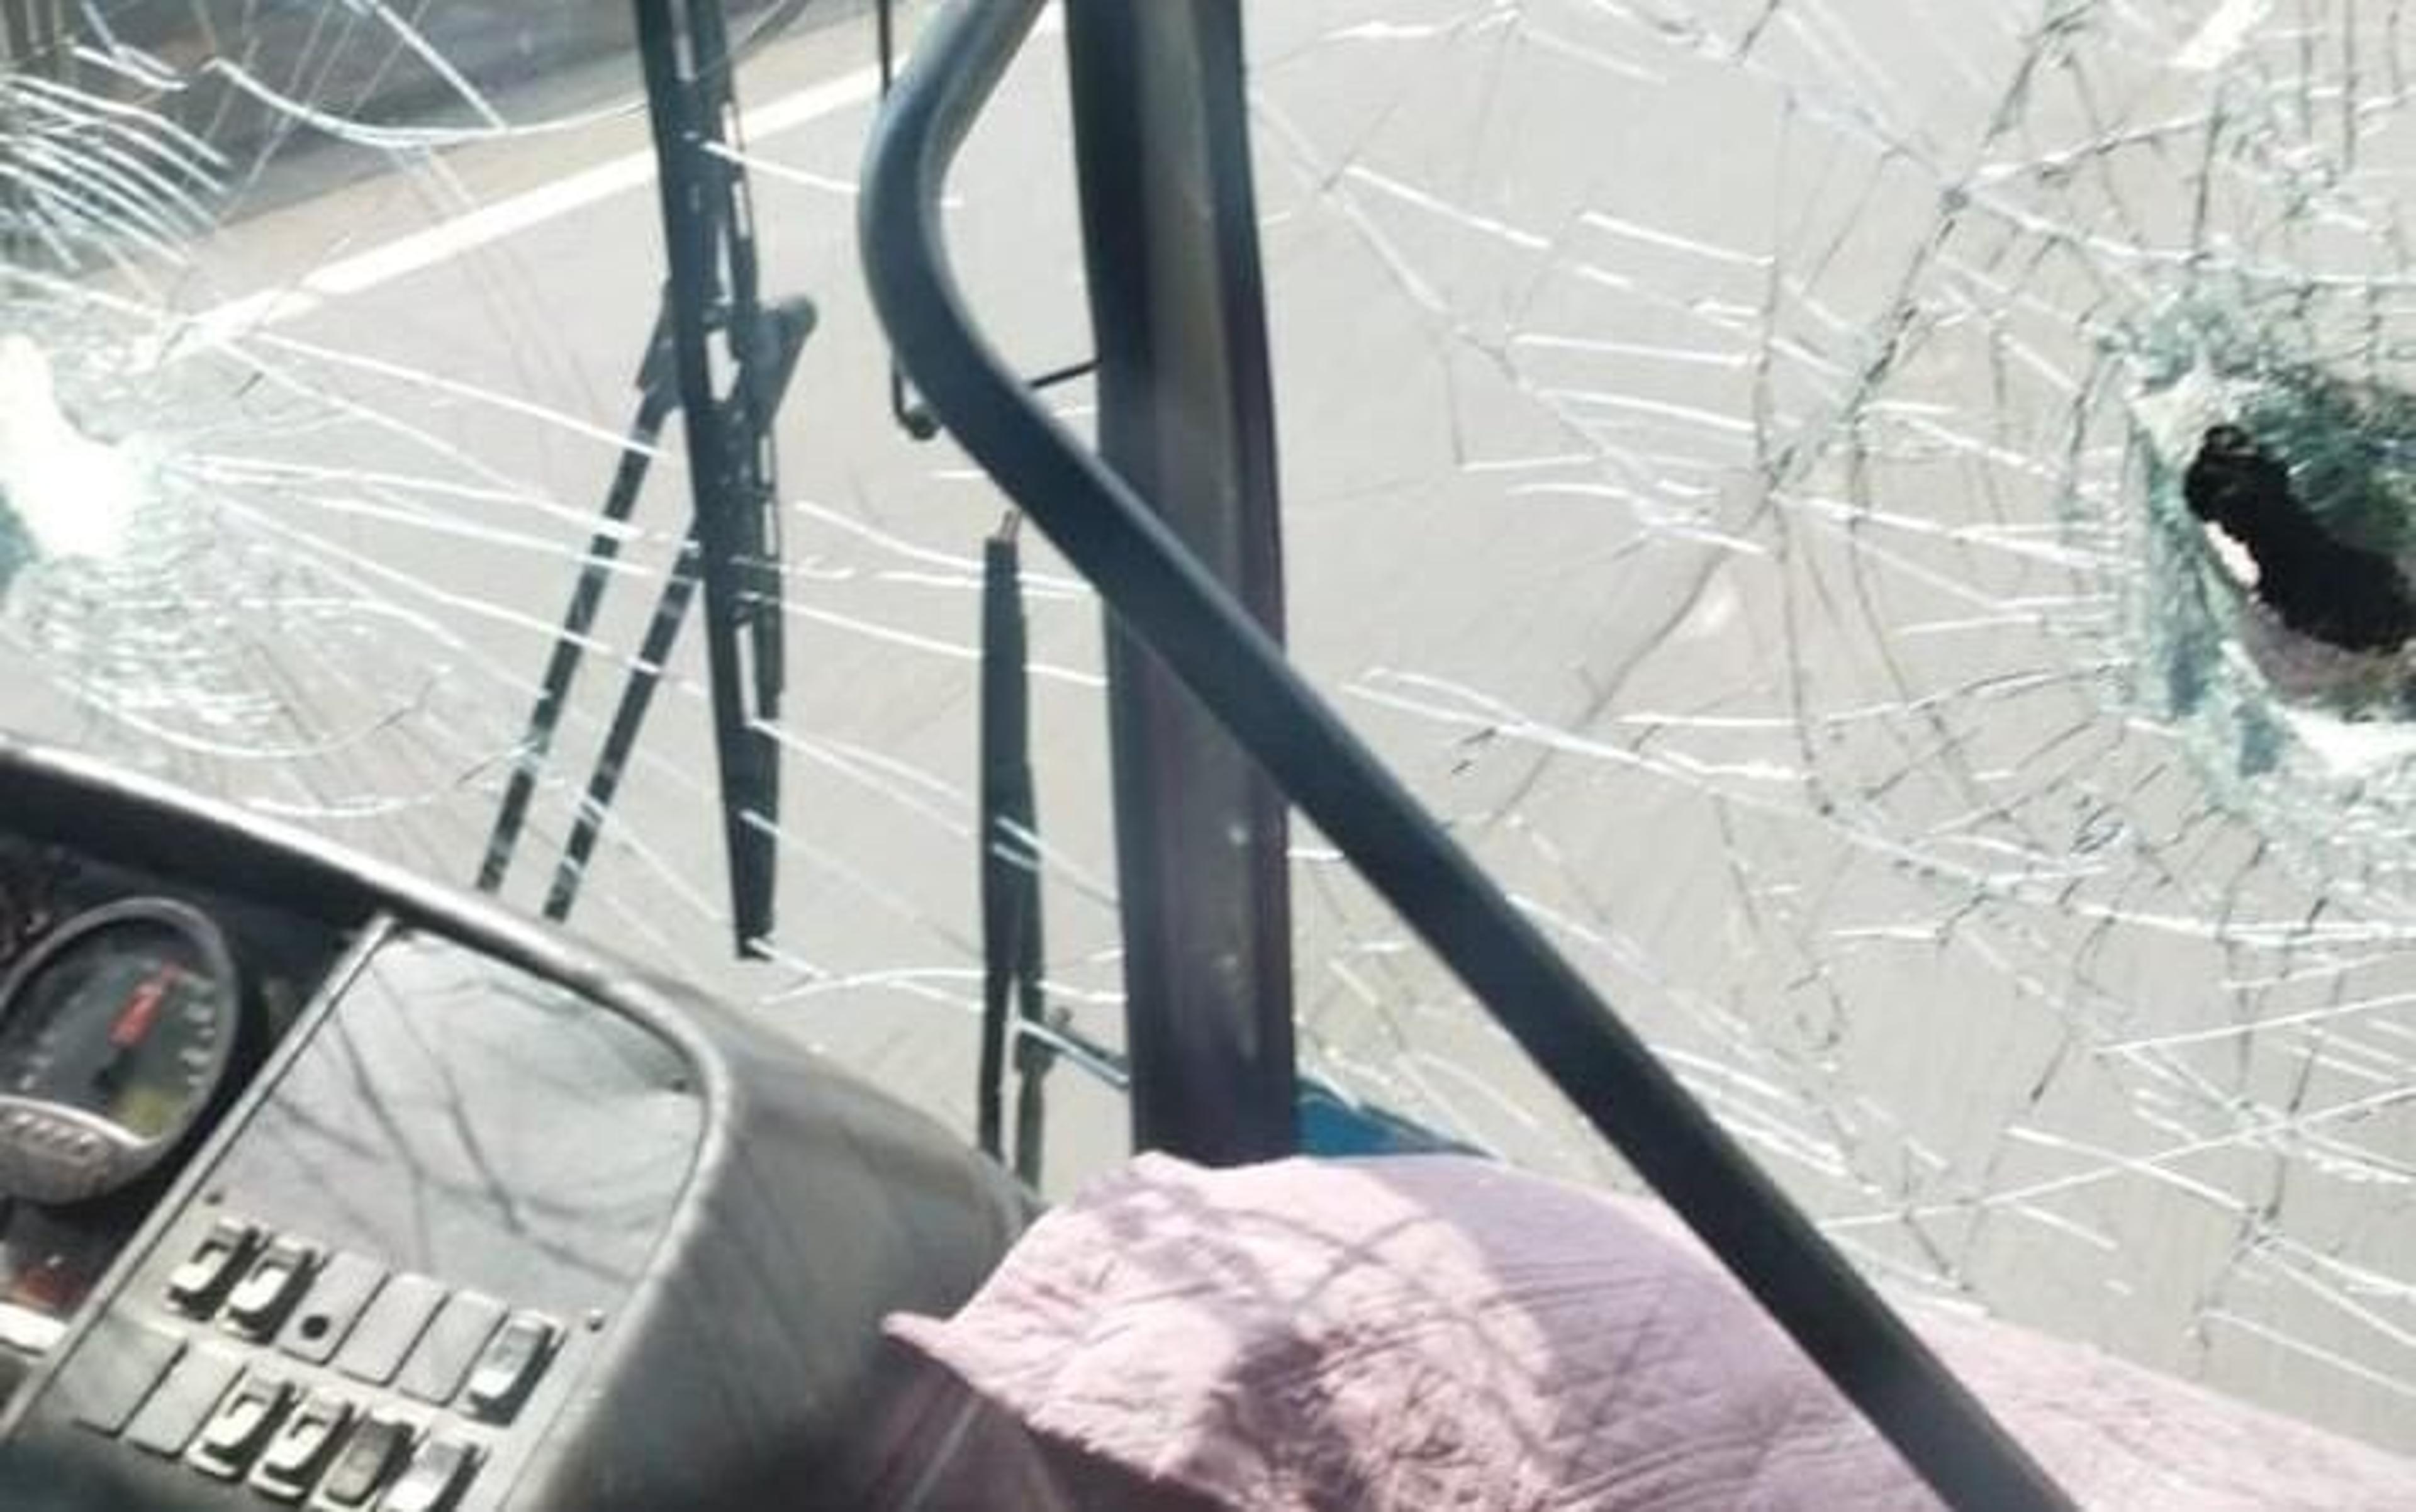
142 1009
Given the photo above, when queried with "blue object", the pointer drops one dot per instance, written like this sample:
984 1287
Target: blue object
1331 1123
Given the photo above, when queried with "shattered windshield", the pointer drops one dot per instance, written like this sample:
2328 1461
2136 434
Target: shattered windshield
1811 490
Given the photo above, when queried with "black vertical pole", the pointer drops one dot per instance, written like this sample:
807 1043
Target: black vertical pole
1185 417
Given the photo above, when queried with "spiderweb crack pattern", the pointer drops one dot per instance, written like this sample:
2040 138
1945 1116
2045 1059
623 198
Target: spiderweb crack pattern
1731 456
1978 849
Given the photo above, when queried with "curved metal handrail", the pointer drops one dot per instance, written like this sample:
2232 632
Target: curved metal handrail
1164 596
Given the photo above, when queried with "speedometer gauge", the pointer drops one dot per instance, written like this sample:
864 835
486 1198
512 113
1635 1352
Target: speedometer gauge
115 1033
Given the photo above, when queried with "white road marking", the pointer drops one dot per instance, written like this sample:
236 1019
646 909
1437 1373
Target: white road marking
447 239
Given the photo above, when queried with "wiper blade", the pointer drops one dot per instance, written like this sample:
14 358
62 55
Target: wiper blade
711 321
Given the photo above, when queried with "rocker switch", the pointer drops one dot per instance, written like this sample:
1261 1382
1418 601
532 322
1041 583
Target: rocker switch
510 1364
197 1285
269 1289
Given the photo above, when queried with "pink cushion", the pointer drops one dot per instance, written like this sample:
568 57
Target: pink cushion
1439 1333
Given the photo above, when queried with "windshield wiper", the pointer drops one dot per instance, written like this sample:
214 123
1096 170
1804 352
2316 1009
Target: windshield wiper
712 320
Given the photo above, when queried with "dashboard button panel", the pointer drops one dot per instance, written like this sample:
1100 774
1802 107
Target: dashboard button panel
307 1410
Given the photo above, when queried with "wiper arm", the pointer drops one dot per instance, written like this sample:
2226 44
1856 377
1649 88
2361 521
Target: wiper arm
711 309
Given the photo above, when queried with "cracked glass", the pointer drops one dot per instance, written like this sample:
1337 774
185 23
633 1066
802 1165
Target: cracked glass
1736 464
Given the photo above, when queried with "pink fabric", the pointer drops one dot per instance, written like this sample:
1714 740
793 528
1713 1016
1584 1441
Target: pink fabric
1435 1333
